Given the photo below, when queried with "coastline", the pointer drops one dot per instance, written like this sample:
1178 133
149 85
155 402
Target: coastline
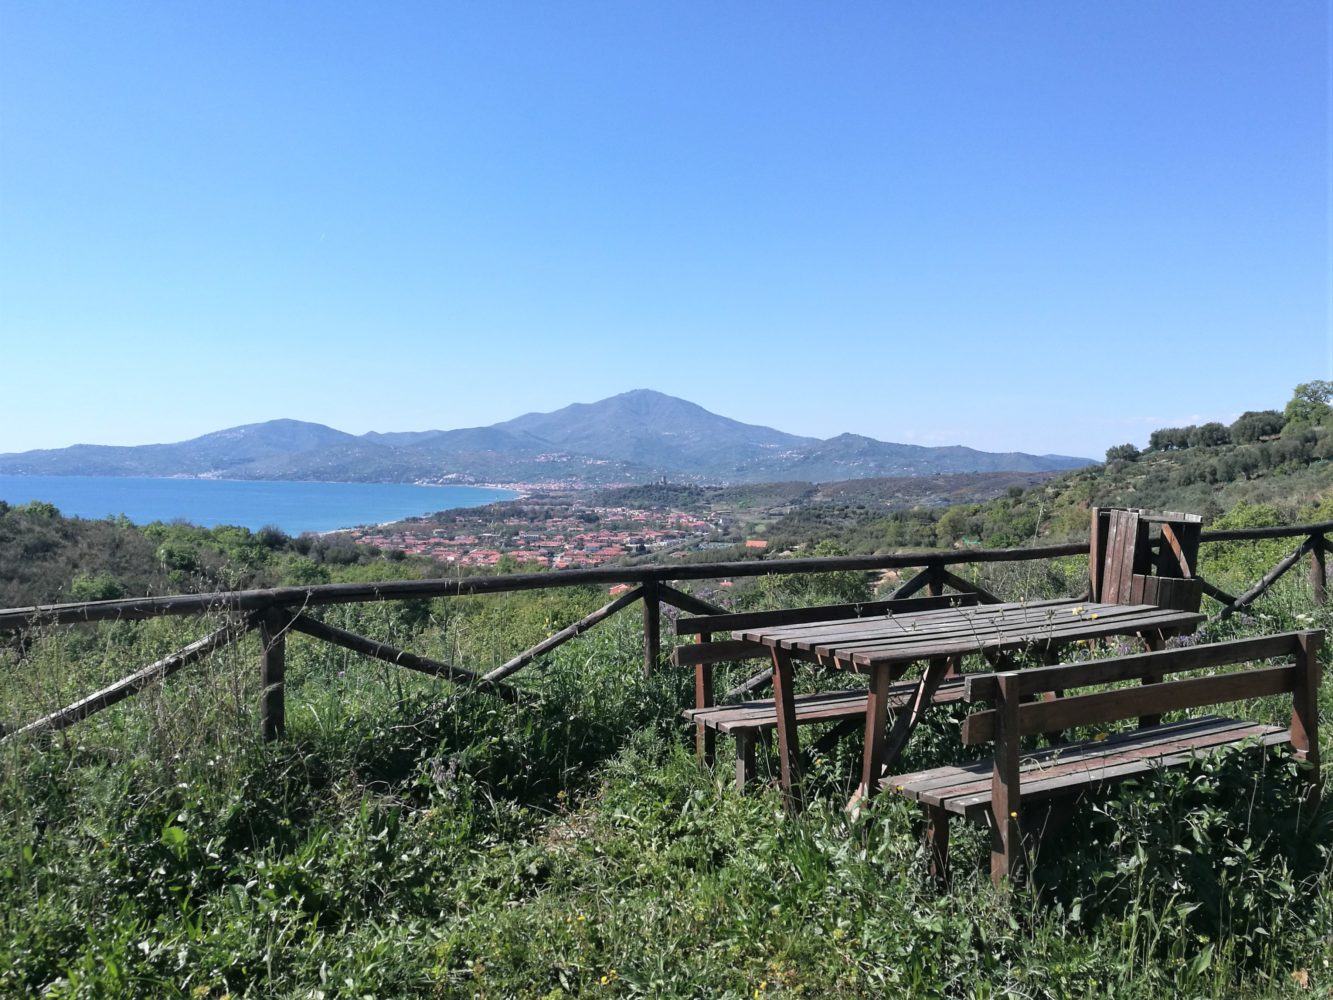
293 506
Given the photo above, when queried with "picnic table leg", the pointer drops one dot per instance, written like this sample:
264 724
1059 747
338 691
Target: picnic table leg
1154 641
1050 657
745 758
907 720
937 842
789 774
877 718
705 740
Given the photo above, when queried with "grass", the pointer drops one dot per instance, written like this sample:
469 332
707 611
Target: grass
406 839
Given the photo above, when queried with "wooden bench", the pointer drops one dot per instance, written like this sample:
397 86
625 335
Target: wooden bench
753 721
1012 792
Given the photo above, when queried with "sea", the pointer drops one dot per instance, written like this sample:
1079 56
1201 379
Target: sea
291 506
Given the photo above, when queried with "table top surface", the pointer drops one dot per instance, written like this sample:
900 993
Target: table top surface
919 635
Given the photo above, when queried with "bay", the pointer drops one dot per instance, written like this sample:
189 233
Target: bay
294 507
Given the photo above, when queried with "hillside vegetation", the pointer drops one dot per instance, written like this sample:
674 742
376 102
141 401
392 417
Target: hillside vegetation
1268 467
409 839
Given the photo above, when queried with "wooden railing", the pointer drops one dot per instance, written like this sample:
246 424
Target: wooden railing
274 612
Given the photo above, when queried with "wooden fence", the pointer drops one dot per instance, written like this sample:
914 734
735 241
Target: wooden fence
276 611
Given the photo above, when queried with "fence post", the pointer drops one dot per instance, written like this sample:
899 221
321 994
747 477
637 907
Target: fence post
1318 569
652 627
272 666
935 588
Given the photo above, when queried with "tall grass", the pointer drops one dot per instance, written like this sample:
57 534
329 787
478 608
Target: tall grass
410 839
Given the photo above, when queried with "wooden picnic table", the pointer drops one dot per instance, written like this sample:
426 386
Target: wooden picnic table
886 646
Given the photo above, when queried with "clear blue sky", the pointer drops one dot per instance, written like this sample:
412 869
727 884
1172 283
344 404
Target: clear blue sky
1047 227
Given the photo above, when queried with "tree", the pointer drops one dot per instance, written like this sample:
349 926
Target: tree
1308 406
1170 438
100 586
1209 435
1122 453
1252 425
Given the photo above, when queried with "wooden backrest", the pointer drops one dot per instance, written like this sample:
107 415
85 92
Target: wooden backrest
1012 691
708 650
1121 560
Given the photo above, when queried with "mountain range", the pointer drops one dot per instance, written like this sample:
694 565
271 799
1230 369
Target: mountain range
638 436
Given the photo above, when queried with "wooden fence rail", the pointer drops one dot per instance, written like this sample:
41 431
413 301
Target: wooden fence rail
274 612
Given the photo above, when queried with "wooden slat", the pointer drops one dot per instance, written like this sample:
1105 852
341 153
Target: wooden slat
763 714
1082 757
858 647
821 707
1036 680
1131 764
1111 706
1126 554
910 624
937 779
734 621
1069 766
1166 592
1165 621
983 620
718 651
1097 552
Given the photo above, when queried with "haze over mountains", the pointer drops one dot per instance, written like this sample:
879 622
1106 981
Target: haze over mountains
638 436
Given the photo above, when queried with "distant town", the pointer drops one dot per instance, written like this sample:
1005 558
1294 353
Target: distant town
552 532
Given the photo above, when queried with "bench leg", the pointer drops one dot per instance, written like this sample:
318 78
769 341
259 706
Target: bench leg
705 740
1006 852
745 759
705 745
937 842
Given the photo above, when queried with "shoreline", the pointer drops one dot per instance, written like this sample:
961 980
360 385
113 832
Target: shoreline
294 506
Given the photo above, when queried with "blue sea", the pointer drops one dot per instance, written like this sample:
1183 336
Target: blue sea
293 507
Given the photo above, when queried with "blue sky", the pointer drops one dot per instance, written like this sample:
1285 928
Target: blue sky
1044 227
